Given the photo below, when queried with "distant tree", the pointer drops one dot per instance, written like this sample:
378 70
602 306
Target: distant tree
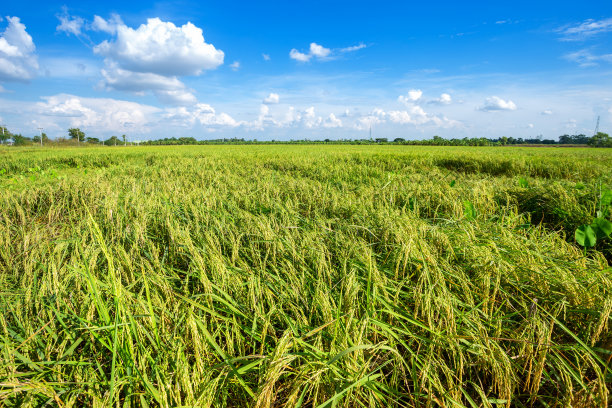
112 141
398 140
601 139
92 140
76 133
4 134
19 140
381 140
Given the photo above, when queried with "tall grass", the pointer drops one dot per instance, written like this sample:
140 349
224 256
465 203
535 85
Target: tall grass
302 276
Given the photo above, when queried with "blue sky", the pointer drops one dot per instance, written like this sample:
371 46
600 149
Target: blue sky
293 70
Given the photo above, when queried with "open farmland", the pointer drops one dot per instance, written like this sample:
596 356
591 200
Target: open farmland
305 276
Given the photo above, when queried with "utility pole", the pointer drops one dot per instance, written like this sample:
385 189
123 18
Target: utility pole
2 126
597 126
40 130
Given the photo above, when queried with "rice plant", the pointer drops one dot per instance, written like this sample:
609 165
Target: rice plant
303 276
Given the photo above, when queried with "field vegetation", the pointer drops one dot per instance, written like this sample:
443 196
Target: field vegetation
305 276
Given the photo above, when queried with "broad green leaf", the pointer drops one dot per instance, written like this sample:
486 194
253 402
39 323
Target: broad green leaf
523 182
606 198
585 236
468 210
602 227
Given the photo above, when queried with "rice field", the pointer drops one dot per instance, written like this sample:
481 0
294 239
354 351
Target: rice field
303 276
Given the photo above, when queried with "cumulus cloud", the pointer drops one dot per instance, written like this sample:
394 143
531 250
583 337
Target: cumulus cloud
273 98
99 114
108 26
169 90
585 58
319 51
161 48
18 61
413 96
299 56
332 122
585 30
495 103
235 66
546 112
266 57
414 115
201 113
444 99
152 57
70 24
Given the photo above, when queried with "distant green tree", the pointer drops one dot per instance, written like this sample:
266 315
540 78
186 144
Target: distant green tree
45 139
112 141
601 139
76 133
92 140
19 140
4 134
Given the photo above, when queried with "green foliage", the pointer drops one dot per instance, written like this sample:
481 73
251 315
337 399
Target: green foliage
469 211
585 236
523 182
601 140
76 133
268 276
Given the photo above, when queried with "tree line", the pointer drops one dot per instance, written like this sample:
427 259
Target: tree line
77 136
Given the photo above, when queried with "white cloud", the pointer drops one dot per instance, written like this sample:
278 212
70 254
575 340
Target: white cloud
332 122
586 29
70 24
316 51
161 48
299 56
273 98
585 58
153 56
415 115
168 89
444 99
235 66
266 57
546 112
108 26
201 113
319 51
99 114
413 96
571 124
18 61
495 103
353 48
